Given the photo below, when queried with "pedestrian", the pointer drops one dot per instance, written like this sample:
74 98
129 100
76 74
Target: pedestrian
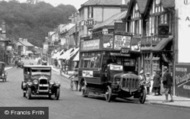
61 67
168 85
156 83
148 82
142 76
74 79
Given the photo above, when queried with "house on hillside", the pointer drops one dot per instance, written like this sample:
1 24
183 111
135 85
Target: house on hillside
24 47
64 34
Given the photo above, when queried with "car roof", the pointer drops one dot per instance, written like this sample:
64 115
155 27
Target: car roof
36 66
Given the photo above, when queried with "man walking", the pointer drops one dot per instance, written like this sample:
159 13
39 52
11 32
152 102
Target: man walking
168 84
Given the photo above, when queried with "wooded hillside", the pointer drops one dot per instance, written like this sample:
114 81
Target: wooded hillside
33 21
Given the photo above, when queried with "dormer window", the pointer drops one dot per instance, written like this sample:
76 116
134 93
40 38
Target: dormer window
90 12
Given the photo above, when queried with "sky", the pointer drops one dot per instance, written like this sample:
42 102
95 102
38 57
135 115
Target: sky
76 3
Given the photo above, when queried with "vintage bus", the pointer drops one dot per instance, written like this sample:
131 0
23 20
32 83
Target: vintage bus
109 72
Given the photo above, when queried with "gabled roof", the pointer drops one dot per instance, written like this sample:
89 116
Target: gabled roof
66 27
165 4
141 5
105 2
24 42
110 21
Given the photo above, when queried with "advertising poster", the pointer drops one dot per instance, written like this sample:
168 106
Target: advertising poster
108 41
122 41
182 80
90 45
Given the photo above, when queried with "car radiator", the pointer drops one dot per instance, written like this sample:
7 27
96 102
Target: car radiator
130 83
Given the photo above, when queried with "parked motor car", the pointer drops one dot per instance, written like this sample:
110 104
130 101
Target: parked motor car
3 74
44 62
20 64
37 81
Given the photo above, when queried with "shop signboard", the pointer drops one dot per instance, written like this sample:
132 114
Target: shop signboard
90 45
182 80
122 41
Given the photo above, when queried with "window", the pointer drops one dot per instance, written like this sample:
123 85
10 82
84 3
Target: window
90 12
147 27
91 60
137 27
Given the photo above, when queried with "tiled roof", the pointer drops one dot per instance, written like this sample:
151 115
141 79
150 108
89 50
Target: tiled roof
110 21
168 3
25 43
104 2
66 28
142 5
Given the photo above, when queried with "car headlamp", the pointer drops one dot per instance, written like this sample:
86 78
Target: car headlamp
35 82
51 82
29 83
118 82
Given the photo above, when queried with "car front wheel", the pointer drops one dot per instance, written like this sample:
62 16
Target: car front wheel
142 98
29 93
108 94
57 94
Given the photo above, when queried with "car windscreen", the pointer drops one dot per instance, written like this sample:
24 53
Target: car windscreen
40 72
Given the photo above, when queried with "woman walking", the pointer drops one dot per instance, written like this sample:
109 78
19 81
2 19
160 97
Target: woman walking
156 83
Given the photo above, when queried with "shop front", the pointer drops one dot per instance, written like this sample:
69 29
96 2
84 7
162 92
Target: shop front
182 80
158 55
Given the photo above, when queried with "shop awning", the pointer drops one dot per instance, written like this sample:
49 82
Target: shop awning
76 58
66 54
162 44
72 53
58 54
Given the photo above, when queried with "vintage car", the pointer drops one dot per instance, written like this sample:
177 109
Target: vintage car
3 74
20 64
37 81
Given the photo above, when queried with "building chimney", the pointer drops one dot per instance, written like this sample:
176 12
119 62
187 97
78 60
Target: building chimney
123 2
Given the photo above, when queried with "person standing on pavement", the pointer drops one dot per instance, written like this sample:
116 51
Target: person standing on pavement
157 83
168 85
142 76
148 82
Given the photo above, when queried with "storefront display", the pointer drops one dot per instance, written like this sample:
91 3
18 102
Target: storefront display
182 80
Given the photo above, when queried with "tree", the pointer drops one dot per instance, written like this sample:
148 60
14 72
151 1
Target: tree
33 21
